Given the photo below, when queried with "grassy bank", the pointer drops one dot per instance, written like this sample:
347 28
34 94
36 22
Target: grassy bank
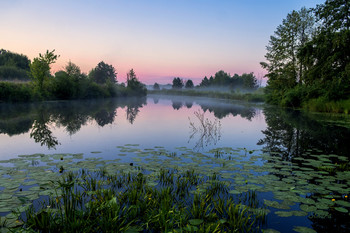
256 96
322 105
64 90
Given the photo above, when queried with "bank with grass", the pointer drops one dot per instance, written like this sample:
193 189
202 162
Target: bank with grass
254 96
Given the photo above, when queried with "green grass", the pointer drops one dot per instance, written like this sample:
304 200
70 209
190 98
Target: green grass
323 105
130 202
255 96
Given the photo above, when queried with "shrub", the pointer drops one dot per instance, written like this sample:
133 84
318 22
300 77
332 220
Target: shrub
15 92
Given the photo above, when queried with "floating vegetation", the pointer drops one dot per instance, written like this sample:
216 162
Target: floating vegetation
183 181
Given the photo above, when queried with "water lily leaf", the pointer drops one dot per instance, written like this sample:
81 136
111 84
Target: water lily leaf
284 213
343 203
341 209
301 229
270 231
195 222
234 192
308 208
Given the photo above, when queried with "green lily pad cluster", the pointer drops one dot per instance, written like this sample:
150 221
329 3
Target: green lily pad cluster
311 184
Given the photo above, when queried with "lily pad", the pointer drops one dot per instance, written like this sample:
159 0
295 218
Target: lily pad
341 209
195 222
301 229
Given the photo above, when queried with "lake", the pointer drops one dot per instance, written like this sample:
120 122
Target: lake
296 163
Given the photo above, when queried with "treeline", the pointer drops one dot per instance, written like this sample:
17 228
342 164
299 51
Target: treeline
70 83
220 81
308 59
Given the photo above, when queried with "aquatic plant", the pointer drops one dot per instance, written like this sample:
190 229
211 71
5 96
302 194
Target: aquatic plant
92 202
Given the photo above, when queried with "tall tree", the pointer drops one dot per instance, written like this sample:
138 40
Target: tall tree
204 82
103 73
189 84
40 67
177 83
327 55
284 68
133 84
249 81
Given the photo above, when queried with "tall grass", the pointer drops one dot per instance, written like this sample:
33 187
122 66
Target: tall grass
323 105
99 202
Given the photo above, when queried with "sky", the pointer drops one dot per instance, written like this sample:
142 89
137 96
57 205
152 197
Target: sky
159 39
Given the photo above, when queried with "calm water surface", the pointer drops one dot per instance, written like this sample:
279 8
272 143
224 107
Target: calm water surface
85 126
199 124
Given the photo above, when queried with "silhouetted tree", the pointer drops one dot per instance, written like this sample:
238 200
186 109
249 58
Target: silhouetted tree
103 73
189 84
177 83
156 86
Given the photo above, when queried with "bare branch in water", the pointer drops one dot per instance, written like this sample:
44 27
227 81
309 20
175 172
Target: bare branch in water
209 131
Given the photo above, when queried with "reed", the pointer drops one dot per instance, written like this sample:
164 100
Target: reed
95 201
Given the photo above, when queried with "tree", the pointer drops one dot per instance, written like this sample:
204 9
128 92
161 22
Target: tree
134 85
285 68
156 86
177 83
189 84
73 70
19 61
221 78
40 67
249 81
103 73
327 54
204 82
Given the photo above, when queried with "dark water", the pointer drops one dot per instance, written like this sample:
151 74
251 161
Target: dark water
171 122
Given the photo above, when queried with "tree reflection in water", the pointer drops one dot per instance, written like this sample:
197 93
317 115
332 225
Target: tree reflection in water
295 135
43 135
71 115
209 132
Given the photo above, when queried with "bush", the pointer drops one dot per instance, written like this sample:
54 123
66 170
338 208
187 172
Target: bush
15 92
13 73
294 97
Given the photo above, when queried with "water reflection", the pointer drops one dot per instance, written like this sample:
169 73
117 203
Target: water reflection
177 104
220 109
293 133
299 138
208 132
71 115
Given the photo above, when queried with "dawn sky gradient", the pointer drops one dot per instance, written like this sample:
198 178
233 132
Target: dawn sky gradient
158 39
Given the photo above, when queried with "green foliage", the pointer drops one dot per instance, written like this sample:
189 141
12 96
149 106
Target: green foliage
13 73
100 202
256 96
316 66
67 84
40 68
322 104
189 84
15 92
103 73
13 66
223 79
134 85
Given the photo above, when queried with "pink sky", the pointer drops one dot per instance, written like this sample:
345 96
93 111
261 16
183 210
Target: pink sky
158 39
